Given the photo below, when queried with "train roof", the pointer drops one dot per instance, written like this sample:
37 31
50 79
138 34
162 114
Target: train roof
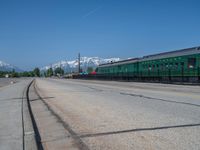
176 53
126 61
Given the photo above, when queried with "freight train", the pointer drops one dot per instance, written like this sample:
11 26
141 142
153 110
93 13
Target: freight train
180 65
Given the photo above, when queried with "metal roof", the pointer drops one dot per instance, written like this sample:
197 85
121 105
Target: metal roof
127 61
182 52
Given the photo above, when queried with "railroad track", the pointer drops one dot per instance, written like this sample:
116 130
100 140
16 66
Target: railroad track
37 134
72 134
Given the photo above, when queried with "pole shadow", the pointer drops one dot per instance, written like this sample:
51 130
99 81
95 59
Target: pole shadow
139 130
160 99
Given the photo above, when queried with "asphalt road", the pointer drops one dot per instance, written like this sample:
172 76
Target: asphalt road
78 114
8 81
16 131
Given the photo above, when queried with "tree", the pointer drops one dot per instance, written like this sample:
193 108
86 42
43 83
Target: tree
31 74
25 74
36 72
49 72
45 74
14 74
59 71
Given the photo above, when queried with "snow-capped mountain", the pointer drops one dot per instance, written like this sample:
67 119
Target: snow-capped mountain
8 67
70 66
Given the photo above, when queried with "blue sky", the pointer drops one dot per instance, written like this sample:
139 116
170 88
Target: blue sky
39 32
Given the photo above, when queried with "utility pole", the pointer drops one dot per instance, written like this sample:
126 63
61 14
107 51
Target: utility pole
51 66
79 63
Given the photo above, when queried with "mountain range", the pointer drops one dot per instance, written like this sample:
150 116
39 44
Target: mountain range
8 67
67 66
85 62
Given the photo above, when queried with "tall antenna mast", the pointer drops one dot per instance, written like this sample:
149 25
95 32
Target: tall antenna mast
79 63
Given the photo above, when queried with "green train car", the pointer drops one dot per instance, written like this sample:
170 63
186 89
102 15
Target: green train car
176 65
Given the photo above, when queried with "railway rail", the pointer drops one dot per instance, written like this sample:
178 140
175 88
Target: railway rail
41 143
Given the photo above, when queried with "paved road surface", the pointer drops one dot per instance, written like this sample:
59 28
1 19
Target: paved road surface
116 115
16 132
7 81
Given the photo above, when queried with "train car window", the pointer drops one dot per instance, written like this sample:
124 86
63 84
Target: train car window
170 65
191 63
150 67
161 66
153 66
166 65
182 64
176 66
